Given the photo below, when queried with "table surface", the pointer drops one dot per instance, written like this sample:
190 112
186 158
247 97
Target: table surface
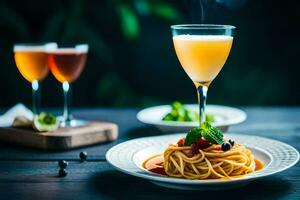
27 173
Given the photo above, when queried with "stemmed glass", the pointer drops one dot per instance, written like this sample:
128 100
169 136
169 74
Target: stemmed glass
66 64
31 61
202 50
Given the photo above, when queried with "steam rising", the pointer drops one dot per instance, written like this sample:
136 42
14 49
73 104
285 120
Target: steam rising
208 6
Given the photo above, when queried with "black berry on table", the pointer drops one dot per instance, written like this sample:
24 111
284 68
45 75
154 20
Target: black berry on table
63 164
83 155
62 172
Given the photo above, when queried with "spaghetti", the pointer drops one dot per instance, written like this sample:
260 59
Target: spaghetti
204 153
209 163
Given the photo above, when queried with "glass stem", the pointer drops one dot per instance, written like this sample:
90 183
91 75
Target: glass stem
67 101
202 94
35 96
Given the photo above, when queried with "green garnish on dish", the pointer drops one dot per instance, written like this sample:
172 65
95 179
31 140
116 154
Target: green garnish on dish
211 133
45 122
180 113
192 136
207 131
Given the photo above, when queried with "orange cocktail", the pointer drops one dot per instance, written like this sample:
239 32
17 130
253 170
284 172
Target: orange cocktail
202 56
32 63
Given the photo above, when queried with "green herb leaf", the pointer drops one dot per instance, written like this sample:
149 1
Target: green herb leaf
212 134
193 136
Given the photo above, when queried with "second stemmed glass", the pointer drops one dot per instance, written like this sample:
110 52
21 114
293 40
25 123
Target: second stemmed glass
202 50
66 64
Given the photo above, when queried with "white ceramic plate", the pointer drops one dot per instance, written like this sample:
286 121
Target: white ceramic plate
129 156
224 117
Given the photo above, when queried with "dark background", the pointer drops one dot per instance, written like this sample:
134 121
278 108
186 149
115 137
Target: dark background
132 62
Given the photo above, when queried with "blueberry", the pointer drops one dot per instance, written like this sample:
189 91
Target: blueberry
231 142
62 172
226 146
83 155
63 164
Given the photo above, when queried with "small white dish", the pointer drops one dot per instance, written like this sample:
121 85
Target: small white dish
224 117
129 156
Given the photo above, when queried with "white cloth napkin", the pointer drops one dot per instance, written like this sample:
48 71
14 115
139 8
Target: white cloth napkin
18 110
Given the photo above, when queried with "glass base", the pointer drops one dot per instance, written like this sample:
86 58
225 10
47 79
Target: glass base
72 123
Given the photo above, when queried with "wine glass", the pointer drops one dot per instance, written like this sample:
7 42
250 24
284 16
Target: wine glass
31 61
66 64
202 50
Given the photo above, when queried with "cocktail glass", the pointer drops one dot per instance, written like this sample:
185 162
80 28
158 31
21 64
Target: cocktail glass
31 61
66 64
202 50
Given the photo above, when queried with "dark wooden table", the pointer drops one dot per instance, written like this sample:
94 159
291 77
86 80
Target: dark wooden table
27 173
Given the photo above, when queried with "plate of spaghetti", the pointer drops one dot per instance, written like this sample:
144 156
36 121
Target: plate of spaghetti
202 159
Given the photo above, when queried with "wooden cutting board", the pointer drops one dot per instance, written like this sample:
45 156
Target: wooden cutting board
63 138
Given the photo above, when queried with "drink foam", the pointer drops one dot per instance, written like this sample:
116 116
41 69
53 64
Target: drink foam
203 37
70 50
33 48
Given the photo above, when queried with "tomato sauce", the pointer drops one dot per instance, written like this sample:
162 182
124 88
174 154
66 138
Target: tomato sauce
155 164
258 165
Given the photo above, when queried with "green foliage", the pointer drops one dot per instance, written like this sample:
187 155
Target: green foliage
114 91
121 34
166 11
13 20
111 89
130 11
129 22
